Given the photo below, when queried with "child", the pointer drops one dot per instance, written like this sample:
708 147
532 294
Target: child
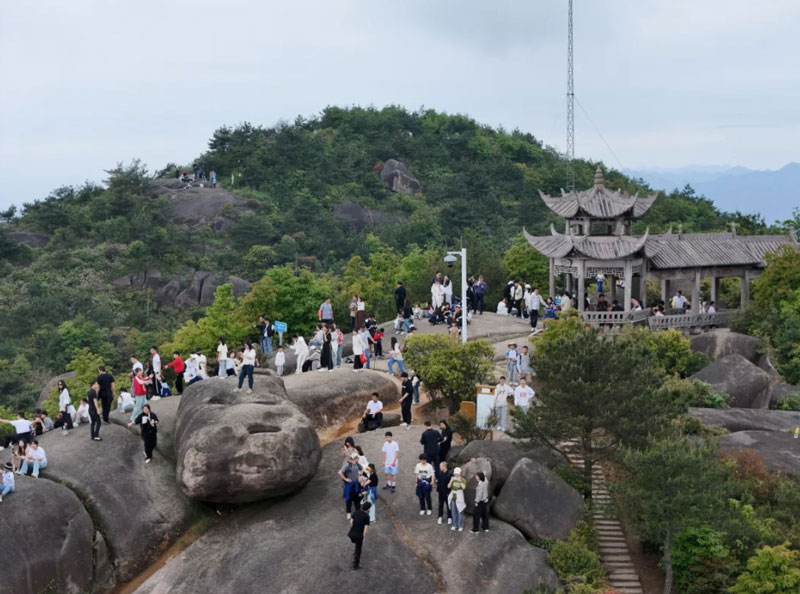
378 337
525 364
454 331
231 367
512 364
8 480
390 454
424 473
280 361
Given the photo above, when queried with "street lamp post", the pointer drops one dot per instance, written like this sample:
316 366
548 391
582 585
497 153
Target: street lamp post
450 259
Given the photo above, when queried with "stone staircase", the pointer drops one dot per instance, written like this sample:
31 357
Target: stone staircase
614 552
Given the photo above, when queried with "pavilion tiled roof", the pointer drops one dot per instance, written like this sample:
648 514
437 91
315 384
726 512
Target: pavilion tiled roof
603 247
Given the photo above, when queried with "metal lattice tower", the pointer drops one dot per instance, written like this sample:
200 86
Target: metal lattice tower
570 108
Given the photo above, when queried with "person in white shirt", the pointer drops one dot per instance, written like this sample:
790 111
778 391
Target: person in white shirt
156 366
523 395
502 392
22 428
82 412
300 349
502 310
248 365
437 294
36 459
372 414
534 303
190 374
135 364
424 473
512 363
711 309
125 402
222 357
390 451
566 301
202 364
679 301
280 361
447 289
64 402
358 351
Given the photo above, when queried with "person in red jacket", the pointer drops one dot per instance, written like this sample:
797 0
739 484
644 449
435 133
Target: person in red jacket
178 367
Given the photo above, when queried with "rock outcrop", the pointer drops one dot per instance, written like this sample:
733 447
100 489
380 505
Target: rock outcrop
779 451
47 540
34 240
235 447
196 287
360 218
746 419
50 386
734 374
721 342
167 411
538 502
469 471
198 205
398 179
779 392
503 455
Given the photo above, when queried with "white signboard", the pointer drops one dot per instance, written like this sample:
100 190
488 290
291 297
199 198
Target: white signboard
484 406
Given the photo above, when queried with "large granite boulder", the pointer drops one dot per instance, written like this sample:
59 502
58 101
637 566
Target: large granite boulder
538 502
747 384
50 387
721 342
746 419
167 411
235 447
47 540
136 506
192 287
779 392
199 207
332 398
398 179
469 471
503 455
359 217
779 450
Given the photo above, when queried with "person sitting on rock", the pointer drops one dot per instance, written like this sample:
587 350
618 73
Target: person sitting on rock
82 412
35 458
373 416
8 480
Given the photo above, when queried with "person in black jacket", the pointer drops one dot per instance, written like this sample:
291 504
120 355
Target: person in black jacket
445 441
443 477
406 398
358 530
399 296
430 444
149 422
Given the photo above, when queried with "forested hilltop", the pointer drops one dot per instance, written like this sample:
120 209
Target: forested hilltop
348 201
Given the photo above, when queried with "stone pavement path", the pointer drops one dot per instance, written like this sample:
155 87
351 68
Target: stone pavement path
613 547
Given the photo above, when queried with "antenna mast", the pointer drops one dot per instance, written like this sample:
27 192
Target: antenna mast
570 108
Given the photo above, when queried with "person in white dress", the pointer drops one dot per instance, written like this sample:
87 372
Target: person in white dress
300 349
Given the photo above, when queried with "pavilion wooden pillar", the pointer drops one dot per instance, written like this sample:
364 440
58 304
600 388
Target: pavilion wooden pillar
696 292
745 288
665 291
628 284
552 292
612 286
715 289
643 285
581 284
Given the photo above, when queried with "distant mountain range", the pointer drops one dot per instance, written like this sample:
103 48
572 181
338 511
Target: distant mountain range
772 194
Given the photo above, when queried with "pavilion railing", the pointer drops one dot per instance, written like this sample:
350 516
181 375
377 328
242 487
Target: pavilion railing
690 320
615 317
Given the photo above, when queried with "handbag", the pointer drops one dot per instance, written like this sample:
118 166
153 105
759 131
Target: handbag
363 358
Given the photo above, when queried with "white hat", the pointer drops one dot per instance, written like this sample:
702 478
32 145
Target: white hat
457 470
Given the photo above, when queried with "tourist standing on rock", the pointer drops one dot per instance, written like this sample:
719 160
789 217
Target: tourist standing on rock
353 307
430 443
178 367
349 473
361 312
523 395
406 398
408 314
358 530
107 388
458 504
437 295
202 364
512 363
338 342
390 451
155 365
325 312
524 364
443 491
373 414
358 353
300 349
64 402
139 393
36 459
22 428
517 294
148 420
222 357
280 361
399 297
212 177
94 411
445 441
396 356
366 340
481 512
248 365
502 392
348 447
424 473
534 304
8 480
369 489
326 361
480 289
447 287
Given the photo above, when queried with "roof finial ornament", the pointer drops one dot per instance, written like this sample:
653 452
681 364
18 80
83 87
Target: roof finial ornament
733 228
598 177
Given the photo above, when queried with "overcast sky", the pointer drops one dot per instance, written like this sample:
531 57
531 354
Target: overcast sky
85 84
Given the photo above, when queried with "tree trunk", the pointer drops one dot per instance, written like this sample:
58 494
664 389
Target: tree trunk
668 561
588 462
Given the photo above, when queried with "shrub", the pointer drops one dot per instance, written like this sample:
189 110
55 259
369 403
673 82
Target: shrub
772 570
466 428
573 560
701 561
751 474
790 402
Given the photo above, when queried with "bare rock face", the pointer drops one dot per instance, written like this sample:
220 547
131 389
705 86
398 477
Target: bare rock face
235 447
748 384
469 471
396 176
358 217
779 450
779 392
199 205
746 419
34 240
196 287
721 342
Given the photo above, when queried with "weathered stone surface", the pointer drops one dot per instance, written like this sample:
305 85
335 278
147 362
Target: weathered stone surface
747 384
779 392
503 456
418 554
136 506
779 451
765 363
469 471
167 411
331 398
235 447
196 287
538 502
720 342
746 419
359 217
389 420
397 177
50 386
197 206
47 540
34 240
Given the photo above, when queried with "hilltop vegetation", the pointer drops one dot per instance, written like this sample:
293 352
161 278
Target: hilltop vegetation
59 256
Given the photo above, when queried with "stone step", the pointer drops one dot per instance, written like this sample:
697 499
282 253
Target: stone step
624 575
